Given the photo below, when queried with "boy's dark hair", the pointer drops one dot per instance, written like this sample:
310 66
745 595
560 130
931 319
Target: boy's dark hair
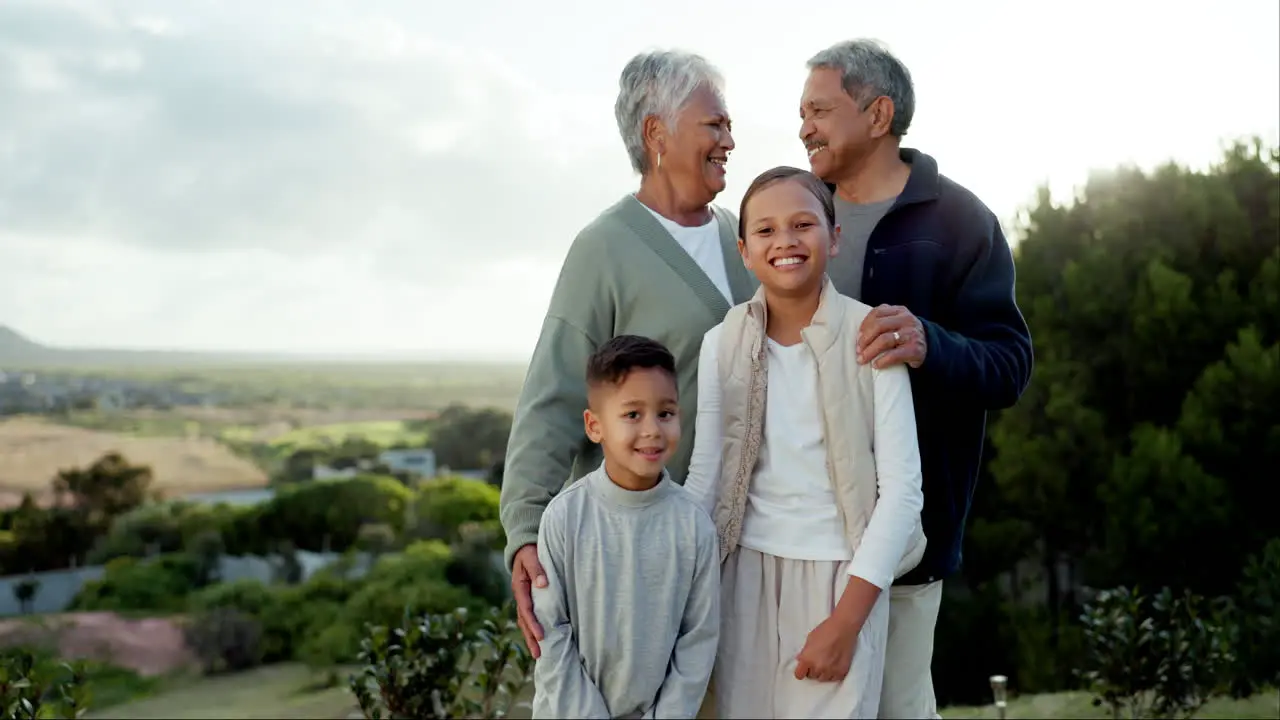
806 179
613 361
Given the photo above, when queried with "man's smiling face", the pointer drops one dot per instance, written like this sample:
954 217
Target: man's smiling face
834 129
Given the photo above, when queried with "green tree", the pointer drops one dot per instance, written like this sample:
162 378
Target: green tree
467 439
109 487
1153 300
25 593
1152 303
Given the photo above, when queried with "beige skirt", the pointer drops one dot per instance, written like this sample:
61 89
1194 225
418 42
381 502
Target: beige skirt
768 606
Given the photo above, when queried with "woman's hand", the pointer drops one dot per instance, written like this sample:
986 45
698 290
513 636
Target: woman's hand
526 574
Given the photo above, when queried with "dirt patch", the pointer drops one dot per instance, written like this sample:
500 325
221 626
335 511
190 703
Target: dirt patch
148 646
33 451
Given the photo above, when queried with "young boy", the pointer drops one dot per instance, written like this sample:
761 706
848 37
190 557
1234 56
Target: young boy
631 609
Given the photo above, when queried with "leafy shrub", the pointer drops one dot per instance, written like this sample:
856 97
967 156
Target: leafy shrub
424 668
330 645
285 563
225 640
304 612
31 689
1258 656
247 595
9 545
309 513
420 560
476 566
280 624
161 584
243 531
25 592
444 505
386 604
1158 657
46 539
375 538
409 582
167 527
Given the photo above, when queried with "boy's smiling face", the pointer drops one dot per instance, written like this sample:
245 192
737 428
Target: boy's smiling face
637 423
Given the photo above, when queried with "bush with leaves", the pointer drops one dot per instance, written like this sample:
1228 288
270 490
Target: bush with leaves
225 640
477 566
280 624
1258 655
449 665
161 584
375 538
444 505
166 527
381 603
410 582
1155 657
31 689
326 515
25 593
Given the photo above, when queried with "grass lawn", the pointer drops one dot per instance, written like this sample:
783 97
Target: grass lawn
1080 705
275 691
282 691
33 450
382 432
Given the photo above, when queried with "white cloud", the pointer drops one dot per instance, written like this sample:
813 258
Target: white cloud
322 175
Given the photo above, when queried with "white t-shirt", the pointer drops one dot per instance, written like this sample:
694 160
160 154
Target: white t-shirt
703 245
791 508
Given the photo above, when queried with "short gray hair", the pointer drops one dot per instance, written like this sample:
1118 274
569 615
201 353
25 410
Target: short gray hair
868 70
659 83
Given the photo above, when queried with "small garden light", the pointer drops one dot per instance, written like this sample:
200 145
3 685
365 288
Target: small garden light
999 684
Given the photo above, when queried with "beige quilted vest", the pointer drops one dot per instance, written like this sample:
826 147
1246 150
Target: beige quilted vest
847 397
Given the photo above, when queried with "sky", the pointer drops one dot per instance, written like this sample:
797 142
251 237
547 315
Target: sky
406 176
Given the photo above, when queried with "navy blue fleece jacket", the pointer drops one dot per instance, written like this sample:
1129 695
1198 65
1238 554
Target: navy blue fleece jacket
940 252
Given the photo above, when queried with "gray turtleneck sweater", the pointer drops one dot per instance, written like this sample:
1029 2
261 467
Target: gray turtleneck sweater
631 611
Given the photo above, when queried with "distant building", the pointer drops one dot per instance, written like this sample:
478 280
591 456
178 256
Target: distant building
414 461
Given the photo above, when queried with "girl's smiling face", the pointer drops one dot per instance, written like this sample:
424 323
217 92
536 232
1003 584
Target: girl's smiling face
788 237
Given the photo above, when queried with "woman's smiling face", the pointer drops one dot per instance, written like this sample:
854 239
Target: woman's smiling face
696 152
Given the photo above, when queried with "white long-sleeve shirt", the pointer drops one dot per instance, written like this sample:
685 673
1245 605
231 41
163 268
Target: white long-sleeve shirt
631 612
791 509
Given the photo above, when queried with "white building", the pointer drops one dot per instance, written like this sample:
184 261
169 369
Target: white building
416 461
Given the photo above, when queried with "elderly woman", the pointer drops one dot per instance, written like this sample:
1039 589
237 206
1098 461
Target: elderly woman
661 263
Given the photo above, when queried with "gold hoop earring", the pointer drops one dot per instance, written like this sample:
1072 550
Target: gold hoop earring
659 167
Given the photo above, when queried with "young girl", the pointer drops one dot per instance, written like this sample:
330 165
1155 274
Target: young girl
808 463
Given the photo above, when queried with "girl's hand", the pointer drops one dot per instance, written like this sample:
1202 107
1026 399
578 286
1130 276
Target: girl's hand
828 651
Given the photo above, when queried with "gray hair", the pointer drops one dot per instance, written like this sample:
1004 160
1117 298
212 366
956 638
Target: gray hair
659 83
867 71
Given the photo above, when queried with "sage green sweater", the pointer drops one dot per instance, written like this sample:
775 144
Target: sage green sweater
624 274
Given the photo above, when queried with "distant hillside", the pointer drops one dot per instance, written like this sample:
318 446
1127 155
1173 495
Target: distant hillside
19 352
16 349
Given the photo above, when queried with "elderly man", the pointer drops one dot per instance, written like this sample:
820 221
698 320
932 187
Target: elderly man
662 263
933 261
